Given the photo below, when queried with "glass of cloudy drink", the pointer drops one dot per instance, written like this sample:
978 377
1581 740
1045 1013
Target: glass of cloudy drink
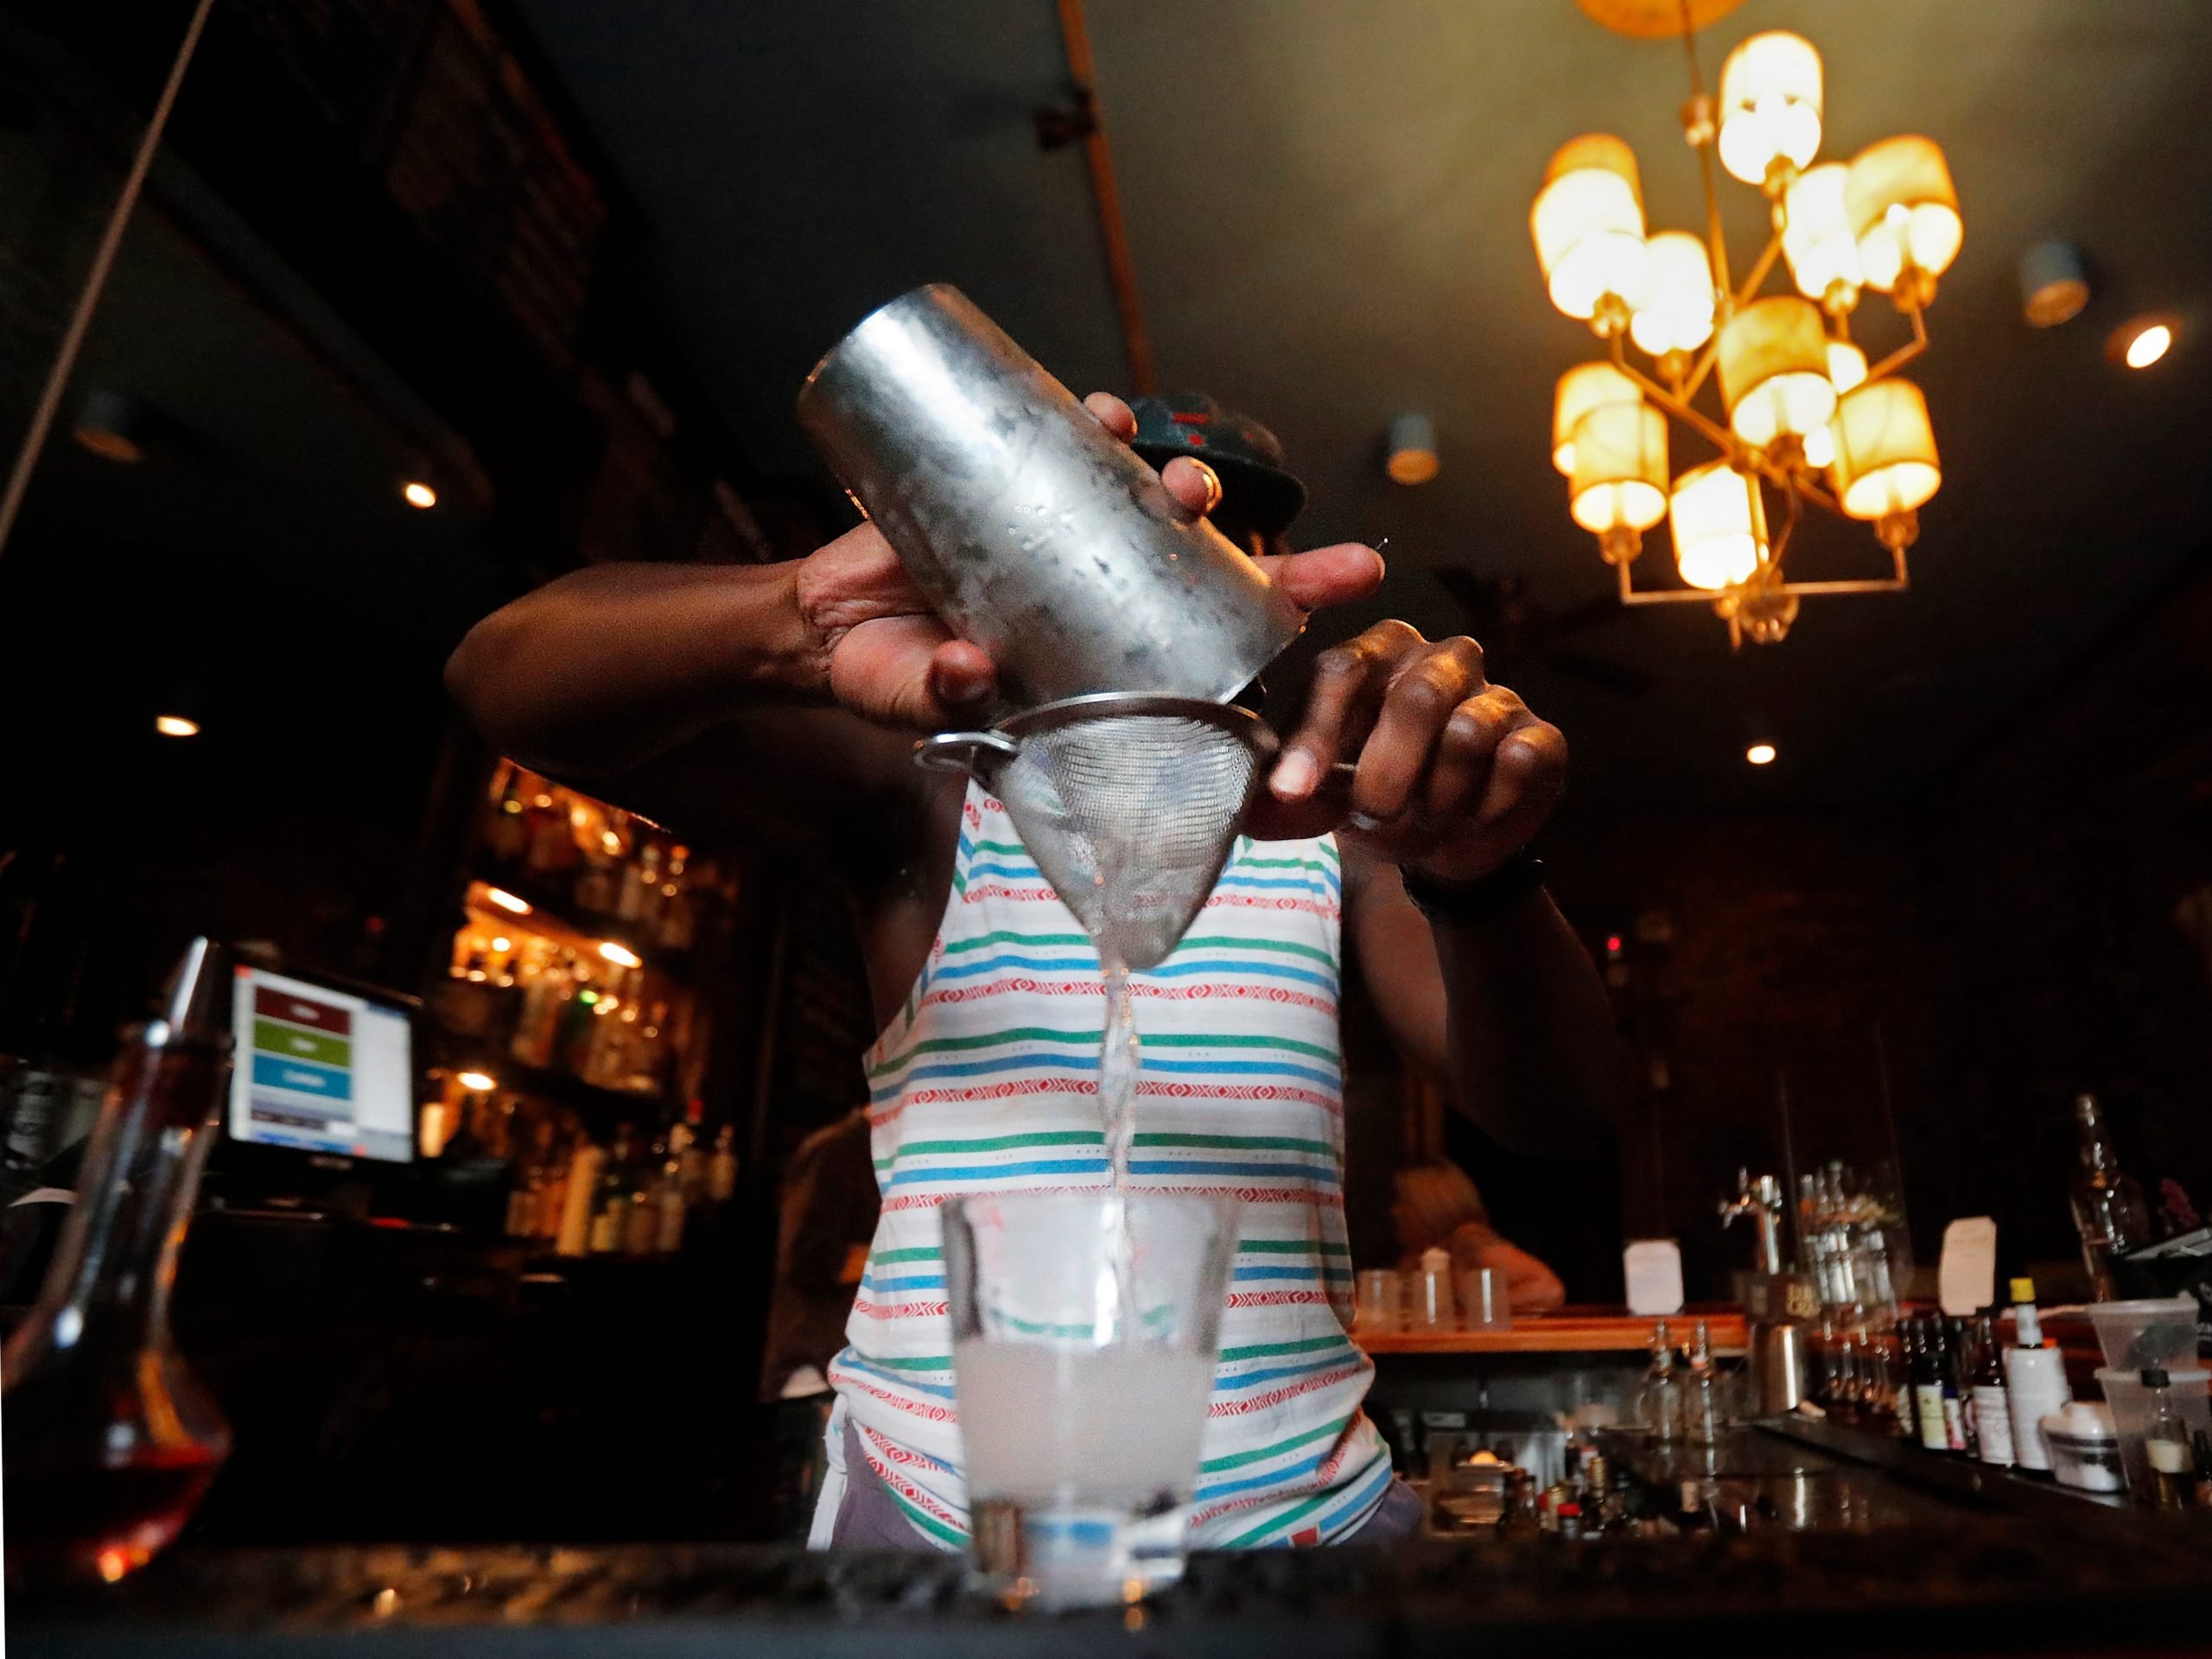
1085 1332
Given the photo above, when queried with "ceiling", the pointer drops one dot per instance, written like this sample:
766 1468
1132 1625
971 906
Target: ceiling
1327 204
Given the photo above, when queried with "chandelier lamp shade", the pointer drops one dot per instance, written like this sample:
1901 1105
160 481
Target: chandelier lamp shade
1804 419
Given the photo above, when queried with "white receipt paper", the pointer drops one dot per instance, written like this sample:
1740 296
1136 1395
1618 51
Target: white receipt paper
1967 1282
1653 1267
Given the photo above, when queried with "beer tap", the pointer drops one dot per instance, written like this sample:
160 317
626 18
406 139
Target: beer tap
1759 1197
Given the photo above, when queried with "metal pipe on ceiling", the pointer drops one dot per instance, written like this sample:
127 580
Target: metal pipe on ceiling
88 298
1106 197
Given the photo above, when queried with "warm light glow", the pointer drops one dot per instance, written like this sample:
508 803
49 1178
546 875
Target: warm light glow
1770 105
1715 546
1676 315
1886 459
2149 345
1760 754
1820 448
503 943
417 493
1774 370
1847 365
1903 209
620 954
506 901
1816 237
477 1082
1619 480
1581 389
1588 225
176 726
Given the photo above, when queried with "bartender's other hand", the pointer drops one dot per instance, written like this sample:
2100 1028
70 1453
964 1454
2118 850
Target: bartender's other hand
885 656
1455 774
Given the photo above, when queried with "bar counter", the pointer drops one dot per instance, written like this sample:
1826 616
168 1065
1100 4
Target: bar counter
1846 1543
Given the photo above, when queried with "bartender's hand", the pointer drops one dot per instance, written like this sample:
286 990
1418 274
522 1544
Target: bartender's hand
1454 775
884 654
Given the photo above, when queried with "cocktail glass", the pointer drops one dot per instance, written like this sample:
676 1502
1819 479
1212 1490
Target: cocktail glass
1084 1333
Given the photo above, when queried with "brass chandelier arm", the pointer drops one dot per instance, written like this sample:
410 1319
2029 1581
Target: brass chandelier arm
1757 280
1721 439
1906 353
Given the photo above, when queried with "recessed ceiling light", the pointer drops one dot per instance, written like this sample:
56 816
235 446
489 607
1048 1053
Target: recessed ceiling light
478 1081
1760 754
2147 345
417 493
176 726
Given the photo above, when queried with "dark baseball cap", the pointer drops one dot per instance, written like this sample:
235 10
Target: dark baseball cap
1245 455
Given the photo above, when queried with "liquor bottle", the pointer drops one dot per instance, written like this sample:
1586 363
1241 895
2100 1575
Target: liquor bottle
506 833
2165 1444
610 1207
669 1203
1928 1385
1704 1412
679 902
111 1441
1950 1374
2035 1382
579 1193
721 1166
1966 1360
2108 1209
641 1221
639 898
1655 1408
549 850
1908 1377
2201 1486
1992 1406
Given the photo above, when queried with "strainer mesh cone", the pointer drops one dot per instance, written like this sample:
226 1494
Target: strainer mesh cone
1131 818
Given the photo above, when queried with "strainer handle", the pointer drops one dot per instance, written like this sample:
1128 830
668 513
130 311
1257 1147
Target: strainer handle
956 751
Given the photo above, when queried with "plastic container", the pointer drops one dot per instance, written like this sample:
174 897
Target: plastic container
2132 1410
2136 1336
2084 1447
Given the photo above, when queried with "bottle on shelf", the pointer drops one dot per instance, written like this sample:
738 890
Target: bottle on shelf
579 1198
2165 1444
641 1220
1704 1410
506 832
1992 1405
1928 1385
610 1207
1655 1408
668 1201
2108 1209
721 1166
2035 1382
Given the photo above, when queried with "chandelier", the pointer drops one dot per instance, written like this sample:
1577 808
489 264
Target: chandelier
1803 416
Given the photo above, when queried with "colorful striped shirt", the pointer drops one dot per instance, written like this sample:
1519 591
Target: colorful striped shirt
986 1079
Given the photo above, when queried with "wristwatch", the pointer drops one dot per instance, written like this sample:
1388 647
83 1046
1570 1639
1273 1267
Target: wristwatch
1468 904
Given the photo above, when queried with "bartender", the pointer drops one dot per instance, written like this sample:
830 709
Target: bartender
781 702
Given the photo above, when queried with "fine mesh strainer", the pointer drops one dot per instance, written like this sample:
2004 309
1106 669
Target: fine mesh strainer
1130 803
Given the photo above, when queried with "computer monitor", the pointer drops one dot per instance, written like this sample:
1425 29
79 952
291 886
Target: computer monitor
321 1069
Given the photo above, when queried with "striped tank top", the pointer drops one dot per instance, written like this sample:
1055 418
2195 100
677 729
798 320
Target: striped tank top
987 1080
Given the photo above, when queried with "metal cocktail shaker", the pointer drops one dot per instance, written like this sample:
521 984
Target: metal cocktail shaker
1031 529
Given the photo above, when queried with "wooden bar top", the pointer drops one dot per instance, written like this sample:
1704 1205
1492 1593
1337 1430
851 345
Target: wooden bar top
1569 1331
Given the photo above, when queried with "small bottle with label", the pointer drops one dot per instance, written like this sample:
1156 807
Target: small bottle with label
2165 1445
1928 1386
2035 1382
1992 1408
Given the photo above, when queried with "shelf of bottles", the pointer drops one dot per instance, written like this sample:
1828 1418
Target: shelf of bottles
570 1036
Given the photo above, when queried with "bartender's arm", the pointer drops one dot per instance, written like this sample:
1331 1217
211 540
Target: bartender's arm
1493 994
784 696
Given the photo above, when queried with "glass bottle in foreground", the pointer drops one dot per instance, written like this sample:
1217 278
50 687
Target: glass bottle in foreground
110 1440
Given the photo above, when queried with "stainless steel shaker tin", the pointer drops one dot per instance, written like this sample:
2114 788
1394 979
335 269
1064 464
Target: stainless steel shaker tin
1031 530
